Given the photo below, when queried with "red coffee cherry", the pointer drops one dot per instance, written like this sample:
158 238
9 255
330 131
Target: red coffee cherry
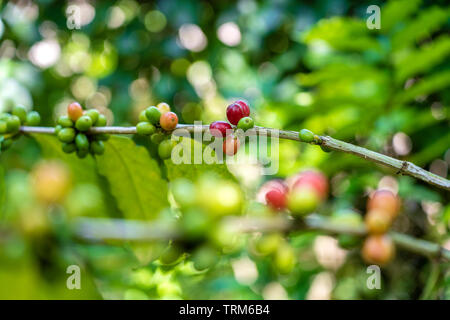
378 249
276 199
74 111
168 121
231 145
310 178
384 200
219 128
275 184
236 111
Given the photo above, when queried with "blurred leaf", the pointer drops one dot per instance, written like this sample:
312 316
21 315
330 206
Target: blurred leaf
396 11
134 178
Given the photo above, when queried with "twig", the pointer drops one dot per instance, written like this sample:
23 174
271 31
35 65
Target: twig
403 167
114 229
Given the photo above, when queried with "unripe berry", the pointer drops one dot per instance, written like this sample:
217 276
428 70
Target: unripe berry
3 127
220 128
268 243
168 121
306 136
58 128
236 111
20 112
384 200
65 122
97 147
378 221
310 178
13 124
153 115
302 201
157 137
205 257
82 142
378 249
165 149
66 135
93 114
246 123
74 111
69 147
276 199
284 260
163 107
145 128
84 123
33 118
231 145
142 117
101 121
171 254
82 153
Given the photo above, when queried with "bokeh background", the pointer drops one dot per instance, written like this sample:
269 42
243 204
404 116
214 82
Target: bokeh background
299 64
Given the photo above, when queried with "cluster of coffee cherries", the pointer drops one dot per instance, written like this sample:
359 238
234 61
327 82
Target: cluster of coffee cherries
382 208
202 204
10 124
72 130
301 194
238 115
156 122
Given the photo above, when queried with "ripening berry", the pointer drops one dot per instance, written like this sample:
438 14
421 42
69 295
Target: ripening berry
20 112
378 249
168 121
384 200
82 142
302 201
153 114
157 137
84 123
310 178
3 127
306 136
93 114
145 128
220 128
284 259
97 147
378 221
231 145
51 181
276 199
65 122
101 121
236 111
13 124
165 149
69 147
74 111
33 118
66 135
246 123
163 107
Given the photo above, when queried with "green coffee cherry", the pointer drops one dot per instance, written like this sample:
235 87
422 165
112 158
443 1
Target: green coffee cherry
58 129
145 128
66 135
20 112
13 124
157 137
82 142
4 116
93 114
142 116
82 153
33 118
165 149
205 257
6 144
101 121
84 123
246 123
171 255
97 147
69 147
65 122
306 136
3 127
153 115
100 137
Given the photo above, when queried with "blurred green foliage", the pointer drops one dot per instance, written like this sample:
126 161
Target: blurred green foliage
308 64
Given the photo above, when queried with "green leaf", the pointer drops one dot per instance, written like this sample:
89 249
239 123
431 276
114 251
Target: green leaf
83 170
134 178
2 189
397 11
